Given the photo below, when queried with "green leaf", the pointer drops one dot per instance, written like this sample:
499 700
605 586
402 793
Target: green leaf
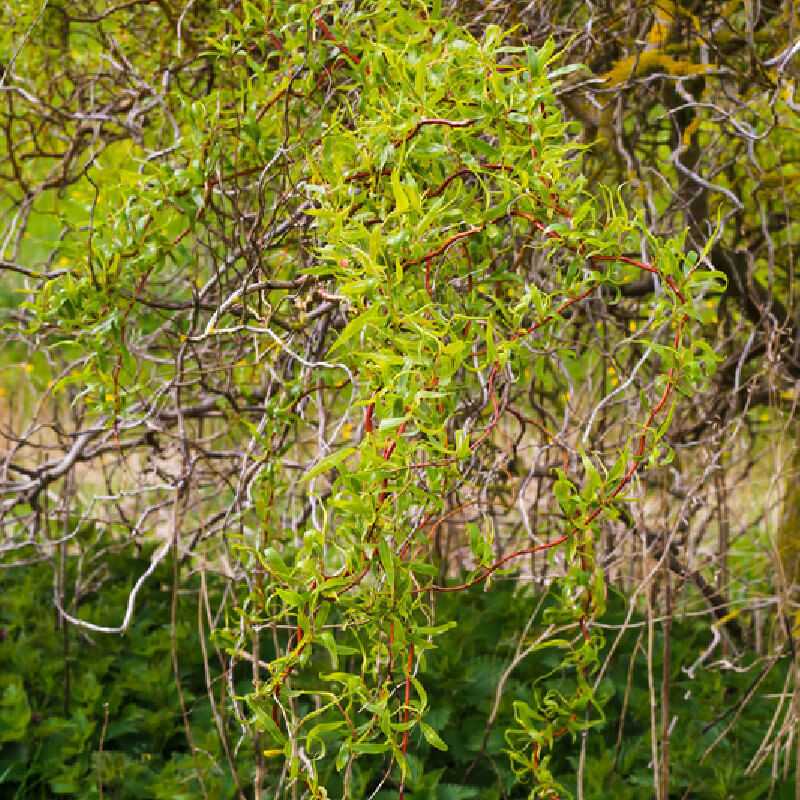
392 422
400 198
387 560
15 712
331 461
266 724
491 351
432 737
343 756
369 748
355 326
564 492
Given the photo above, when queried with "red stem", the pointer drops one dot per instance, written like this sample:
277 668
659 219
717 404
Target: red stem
428 277
326 32
404 745
456 237
461 173
449 123
525 551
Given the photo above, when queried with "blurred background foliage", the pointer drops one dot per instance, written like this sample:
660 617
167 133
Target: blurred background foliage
87 716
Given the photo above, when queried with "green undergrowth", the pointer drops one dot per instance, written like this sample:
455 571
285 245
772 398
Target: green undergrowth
86 715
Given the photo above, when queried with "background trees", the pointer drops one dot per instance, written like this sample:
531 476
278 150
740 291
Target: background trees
328 302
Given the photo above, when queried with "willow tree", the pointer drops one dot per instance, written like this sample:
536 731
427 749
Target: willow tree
320 297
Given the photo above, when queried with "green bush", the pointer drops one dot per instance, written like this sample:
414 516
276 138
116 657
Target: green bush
55 698
81 709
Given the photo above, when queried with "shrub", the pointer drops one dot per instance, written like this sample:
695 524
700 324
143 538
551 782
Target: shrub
307 293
